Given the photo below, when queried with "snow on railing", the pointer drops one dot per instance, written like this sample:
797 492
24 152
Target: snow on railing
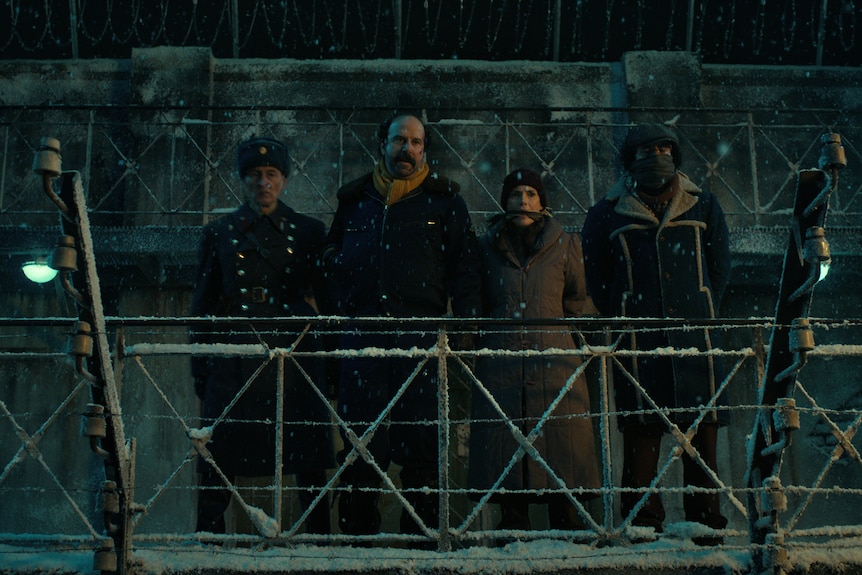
161 416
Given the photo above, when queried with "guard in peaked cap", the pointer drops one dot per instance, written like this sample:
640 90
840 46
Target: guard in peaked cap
259 151
260 261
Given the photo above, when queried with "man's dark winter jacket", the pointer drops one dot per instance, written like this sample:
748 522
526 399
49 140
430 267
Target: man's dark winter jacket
405 259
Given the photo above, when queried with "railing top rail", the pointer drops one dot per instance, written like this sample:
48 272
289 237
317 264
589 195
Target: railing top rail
455 322
460 109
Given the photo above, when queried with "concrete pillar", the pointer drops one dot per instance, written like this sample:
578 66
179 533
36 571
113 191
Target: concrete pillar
171 89
662 80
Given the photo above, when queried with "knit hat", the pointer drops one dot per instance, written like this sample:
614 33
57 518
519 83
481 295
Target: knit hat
644 135
258 151
523 177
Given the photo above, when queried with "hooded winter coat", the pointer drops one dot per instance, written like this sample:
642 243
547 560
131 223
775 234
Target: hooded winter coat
260 266
547 283
678 268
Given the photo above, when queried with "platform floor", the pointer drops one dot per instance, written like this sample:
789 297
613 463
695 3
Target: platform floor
668 556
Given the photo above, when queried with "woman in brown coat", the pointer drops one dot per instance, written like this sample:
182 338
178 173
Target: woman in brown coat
532 269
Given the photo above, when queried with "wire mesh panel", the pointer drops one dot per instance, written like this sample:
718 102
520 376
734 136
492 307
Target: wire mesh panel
174 170
48 484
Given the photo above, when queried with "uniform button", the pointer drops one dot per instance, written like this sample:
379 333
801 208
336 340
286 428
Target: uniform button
243 290
384 297
234 241
244 307
290 250
240 273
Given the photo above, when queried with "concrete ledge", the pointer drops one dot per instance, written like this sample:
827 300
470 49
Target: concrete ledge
665 557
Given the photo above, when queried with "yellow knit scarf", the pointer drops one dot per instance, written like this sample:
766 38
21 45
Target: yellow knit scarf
393 189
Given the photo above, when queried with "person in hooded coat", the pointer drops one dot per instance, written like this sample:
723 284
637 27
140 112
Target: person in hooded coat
657 246
260 261
531 269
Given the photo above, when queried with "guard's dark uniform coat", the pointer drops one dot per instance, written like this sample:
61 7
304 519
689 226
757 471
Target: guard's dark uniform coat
260 266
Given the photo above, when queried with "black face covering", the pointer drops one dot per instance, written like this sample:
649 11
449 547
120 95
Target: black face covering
653 172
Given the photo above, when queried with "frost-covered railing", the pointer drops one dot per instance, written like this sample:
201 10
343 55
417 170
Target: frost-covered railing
53 492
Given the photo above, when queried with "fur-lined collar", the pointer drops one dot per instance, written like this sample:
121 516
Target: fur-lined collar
628 204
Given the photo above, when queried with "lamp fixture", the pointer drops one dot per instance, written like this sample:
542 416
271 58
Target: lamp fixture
824 269
38 270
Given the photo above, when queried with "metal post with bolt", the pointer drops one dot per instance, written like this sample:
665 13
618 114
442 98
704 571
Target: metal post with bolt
88 345
806 258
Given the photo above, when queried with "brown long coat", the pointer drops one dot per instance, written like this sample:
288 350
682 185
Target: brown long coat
548 284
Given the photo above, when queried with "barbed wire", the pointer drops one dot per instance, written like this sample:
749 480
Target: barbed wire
803 32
